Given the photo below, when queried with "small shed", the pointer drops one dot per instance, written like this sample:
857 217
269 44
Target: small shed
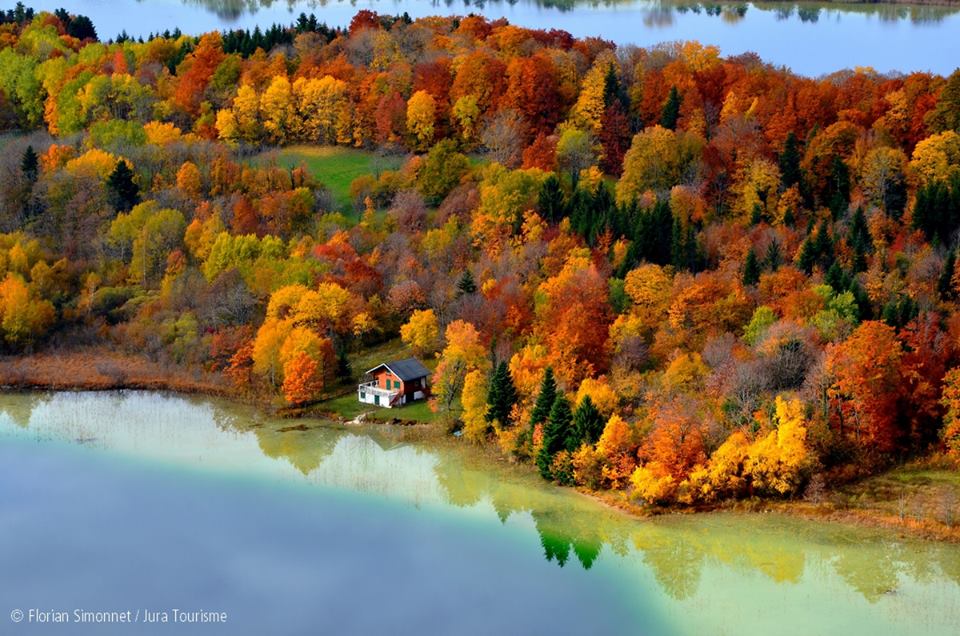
394 383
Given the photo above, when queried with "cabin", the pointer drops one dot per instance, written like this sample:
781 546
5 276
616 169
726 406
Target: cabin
394 383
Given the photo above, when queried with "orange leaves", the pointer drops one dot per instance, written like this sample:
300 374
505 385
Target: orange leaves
866 371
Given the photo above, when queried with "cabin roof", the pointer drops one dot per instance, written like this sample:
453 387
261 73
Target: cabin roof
407 369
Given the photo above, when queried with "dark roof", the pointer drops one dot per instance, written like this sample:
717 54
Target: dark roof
409 369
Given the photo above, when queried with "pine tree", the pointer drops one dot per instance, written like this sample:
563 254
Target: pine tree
790 162
839 187
550 201
466 285
545 398
587 425
555 434
502 396
122 190
30 165
751 269
807 257
671 110
774 256
945 282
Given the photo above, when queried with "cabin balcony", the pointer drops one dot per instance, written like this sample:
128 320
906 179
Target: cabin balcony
371 393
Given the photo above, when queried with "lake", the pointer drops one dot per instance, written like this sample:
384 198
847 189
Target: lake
810 38
151 502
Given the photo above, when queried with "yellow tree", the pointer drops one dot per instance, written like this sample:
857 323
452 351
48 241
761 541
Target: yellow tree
463 353
421 118
778 462
474 401
658 159
936 158
951 420
422 332
277 110
24 317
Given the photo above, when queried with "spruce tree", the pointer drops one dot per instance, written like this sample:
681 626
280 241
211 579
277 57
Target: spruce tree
945 282
671 110
545 398
466 285
839 187
790 162
751 269
121 188
555 434
774 256
587 425
502 396
550 201
807 257
30 165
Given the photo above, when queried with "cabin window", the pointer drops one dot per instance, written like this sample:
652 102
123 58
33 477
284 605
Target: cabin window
396 384
363 396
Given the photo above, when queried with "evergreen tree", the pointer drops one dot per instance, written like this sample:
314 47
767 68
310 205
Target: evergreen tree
545 398
671 110
807 257
30 165
466 285
502 396
774 256
839 187
555 434
751 269
756 216
945 282
550 201
587 425
121 188
789 161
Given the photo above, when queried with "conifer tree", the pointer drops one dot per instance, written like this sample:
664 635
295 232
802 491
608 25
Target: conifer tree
587 425
945 282
466 285
751 269
555 434
550 201
30 165
790 162
502 396
545 398
671 110
123 191
774 256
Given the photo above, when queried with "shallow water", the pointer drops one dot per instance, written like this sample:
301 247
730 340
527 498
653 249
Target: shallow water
147 501
810 38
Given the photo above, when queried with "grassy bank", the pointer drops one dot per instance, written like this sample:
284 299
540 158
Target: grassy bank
334 166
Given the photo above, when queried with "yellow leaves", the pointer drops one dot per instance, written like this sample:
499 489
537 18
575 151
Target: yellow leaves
474 401
284 301
778 461
950 400
327 306
756 187
601 394
161 133
276 109
881 168
421 116
686 373
23 317
591 103
936 158
93 163
658 159
653 483
466 112
649 288
323 108
421 332
188 179
464 353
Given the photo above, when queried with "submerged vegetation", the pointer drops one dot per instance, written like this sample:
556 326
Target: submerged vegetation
682 278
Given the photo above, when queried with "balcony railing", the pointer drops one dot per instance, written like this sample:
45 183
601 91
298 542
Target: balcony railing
373 389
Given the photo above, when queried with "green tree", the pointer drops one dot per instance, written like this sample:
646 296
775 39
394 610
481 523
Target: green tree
122 190
671 110
774 256
550 201
441 171
502 396
587 425
751 269
555 434
30 165
789 161
545 398
466 285
945 282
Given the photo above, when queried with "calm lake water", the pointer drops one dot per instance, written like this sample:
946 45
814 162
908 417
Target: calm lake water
810 38
146 501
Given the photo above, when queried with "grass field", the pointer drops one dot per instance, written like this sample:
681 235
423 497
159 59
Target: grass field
336 167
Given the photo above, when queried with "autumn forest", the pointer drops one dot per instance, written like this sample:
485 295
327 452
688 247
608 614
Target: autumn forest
662 274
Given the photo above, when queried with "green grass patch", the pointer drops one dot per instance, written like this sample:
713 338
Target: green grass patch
336 167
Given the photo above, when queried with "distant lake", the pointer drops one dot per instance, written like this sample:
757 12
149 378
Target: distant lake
154 502
810 38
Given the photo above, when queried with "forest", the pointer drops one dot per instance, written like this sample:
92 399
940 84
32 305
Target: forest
675 276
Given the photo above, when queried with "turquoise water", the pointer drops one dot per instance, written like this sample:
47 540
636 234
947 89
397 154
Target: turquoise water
116 501
810 38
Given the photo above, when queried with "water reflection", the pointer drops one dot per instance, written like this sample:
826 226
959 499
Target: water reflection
684 555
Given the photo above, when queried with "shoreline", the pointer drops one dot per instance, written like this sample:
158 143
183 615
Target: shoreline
97 370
